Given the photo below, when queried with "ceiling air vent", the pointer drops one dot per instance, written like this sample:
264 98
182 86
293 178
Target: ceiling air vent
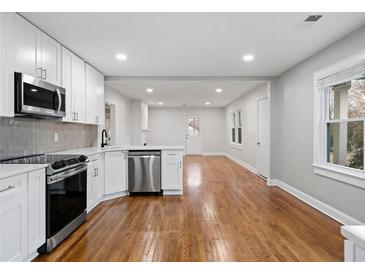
313 18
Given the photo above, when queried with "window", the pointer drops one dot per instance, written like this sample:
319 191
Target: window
239 129
339 115
345 123
236 127
194 126
233 128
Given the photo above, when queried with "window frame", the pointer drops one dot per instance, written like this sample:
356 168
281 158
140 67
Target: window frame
234 117
321 167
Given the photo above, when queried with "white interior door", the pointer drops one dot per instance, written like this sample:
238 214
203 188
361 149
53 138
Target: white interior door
262 137
193 134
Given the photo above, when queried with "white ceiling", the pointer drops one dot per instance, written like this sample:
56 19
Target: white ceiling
174 45
190 93
194 44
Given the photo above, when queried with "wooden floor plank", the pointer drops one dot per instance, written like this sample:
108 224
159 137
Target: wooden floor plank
226 214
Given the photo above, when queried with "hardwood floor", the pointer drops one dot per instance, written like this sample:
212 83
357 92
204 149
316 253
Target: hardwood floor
226 214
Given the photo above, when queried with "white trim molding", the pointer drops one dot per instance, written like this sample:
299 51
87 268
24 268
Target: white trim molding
330 211
352 178
241 163
320 165
213 153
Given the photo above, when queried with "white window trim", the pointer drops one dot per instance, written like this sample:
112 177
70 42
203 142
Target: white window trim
320 165
236 144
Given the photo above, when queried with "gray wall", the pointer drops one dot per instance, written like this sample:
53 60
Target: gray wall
23 136
247 103
122 115
292 129
168 127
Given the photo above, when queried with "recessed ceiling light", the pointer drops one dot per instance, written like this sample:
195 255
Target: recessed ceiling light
160 103
121 56
149 90
207 103
219 90
248 58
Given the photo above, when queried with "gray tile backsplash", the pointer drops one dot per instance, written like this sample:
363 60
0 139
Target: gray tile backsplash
24 136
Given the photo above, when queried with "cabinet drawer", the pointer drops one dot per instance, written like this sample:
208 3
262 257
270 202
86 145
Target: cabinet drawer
169 154
13 185
94 158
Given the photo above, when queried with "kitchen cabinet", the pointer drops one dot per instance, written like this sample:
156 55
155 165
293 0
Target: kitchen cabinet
95 182
73 80
36 53
94 95
116 172
36 210
22 215
172 179
6 70
13 219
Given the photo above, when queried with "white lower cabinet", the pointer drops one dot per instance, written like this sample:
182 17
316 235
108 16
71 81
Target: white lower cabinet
95 181
171 167
22 215
13 219
353 252
36 210
115 172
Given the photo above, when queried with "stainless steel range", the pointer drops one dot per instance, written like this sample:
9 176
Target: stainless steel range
66 193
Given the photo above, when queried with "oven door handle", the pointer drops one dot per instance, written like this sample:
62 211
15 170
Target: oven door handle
59 177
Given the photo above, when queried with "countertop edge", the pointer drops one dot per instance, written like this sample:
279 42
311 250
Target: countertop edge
351 233
14 170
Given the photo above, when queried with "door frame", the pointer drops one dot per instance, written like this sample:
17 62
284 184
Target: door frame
201 131
268 150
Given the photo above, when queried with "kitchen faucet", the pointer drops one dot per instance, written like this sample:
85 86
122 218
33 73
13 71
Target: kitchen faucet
104 142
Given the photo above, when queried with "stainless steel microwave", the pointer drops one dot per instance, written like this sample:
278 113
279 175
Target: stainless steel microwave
38 98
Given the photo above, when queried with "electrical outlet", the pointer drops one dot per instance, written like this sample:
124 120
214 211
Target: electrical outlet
56 137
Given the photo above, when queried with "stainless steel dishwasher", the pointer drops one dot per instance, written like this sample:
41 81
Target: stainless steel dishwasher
144 171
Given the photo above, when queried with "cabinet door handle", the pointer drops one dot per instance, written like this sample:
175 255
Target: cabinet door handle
180 164
97 172
39 73
45 74
77 116
8 188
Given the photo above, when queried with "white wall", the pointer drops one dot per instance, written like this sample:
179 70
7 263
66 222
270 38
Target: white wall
168 127
122 115
247 103
292 130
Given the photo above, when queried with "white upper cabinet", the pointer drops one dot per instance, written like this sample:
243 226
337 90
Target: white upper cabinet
73 80
27 48
94 95
35 53
51 60
6 67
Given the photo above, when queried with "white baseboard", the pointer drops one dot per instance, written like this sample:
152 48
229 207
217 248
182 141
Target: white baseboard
114 195
172 192
213 153
238 161
330 211
31 257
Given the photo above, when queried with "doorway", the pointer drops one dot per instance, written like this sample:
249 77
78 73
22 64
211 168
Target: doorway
262 137
193 143
110 124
